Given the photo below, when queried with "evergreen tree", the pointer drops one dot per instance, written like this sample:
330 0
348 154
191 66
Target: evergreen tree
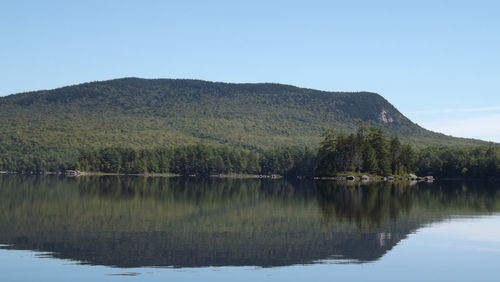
396 157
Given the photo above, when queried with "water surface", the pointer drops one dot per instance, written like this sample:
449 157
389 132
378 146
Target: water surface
173 229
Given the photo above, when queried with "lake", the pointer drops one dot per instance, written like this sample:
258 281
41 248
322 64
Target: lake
117 228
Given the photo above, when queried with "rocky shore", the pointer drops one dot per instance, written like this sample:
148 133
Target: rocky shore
378 178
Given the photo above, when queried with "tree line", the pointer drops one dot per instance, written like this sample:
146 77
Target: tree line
199 160
369 151
466 162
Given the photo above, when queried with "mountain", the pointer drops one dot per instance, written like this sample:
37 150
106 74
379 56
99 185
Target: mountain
146 113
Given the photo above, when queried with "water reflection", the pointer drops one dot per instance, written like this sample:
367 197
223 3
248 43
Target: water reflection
136 221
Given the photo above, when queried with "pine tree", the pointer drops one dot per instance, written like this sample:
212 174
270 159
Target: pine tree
395 153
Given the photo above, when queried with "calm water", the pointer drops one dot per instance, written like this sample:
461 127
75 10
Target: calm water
160 229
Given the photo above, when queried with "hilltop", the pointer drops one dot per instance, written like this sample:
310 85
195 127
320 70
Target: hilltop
149 113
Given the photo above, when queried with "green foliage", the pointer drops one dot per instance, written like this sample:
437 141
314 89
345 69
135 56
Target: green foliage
468 162
46 130
367 151
199 160
289 161
185 160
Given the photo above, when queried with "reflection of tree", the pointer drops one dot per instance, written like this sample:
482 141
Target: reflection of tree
371 205
138 221
368 205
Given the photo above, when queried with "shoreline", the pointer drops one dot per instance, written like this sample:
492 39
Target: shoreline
340 177
73 173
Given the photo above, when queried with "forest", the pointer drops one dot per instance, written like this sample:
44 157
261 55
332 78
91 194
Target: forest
42 130
468 162
369 151
199 160
194 127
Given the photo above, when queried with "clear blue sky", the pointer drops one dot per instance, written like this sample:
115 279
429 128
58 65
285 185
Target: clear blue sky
437 61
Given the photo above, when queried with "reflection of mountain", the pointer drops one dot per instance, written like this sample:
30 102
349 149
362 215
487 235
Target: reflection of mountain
131 222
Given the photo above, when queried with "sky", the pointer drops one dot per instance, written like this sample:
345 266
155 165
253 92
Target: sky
437 61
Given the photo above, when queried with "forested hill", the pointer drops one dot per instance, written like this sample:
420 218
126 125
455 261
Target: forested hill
147 113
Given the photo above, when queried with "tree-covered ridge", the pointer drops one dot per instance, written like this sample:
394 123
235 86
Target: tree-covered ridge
50 127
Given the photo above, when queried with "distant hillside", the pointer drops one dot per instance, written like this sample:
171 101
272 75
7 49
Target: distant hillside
145 113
